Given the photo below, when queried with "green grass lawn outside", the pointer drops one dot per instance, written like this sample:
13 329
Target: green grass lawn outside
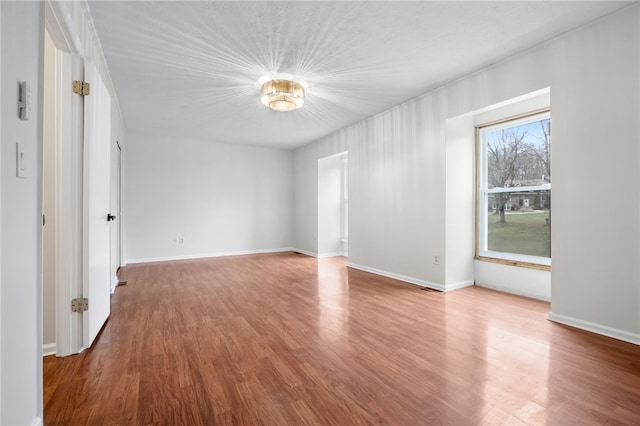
522 233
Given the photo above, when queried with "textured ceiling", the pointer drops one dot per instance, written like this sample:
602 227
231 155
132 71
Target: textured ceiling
192 69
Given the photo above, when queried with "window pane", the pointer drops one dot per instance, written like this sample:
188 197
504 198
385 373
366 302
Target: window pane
523 226
519 155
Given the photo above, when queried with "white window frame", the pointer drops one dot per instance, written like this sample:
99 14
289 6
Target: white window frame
482 207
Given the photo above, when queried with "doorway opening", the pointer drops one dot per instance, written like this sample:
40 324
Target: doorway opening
117 230
333 206
49 218
76 171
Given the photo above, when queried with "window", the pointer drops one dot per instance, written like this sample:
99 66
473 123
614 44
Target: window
514 191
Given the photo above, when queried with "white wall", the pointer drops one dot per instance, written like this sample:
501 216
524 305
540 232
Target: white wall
460 202
22 25
512 279
329 206
397 173
220 198
596 211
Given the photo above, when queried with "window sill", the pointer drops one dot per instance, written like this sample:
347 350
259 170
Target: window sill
518 263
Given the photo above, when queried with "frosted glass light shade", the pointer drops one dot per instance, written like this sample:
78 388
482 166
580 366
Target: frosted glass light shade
282 95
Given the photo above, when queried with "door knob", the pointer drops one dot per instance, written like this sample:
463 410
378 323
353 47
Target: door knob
110 217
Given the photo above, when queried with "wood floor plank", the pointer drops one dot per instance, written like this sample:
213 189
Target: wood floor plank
285 339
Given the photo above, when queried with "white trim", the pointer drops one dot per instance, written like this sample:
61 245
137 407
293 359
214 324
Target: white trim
68 217
515 257
49 349
114 284
416 281
458 286
58 23
337 154
37 421
305 252
73 24
205 255
595 328
501 190
323 255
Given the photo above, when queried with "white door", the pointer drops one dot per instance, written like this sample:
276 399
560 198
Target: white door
96 236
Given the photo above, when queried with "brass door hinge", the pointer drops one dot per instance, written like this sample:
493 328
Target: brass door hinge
81 88
80 305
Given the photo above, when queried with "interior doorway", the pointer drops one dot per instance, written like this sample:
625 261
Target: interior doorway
76 178
117 254
48 201
333 206
62 189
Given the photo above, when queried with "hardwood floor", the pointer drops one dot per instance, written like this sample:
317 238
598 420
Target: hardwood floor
286 339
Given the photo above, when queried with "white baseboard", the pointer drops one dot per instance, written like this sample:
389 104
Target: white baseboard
37 422
308 253
457 286
205 255
399 277
318 256
323 255
595 328
114 284
48 349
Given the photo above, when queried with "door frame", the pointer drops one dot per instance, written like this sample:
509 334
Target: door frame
69 160
119 247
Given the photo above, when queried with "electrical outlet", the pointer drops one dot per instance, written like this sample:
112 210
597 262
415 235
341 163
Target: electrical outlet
436 259
180 240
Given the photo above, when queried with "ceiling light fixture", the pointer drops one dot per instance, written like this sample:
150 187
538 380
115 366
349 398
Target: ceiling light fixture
282 95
